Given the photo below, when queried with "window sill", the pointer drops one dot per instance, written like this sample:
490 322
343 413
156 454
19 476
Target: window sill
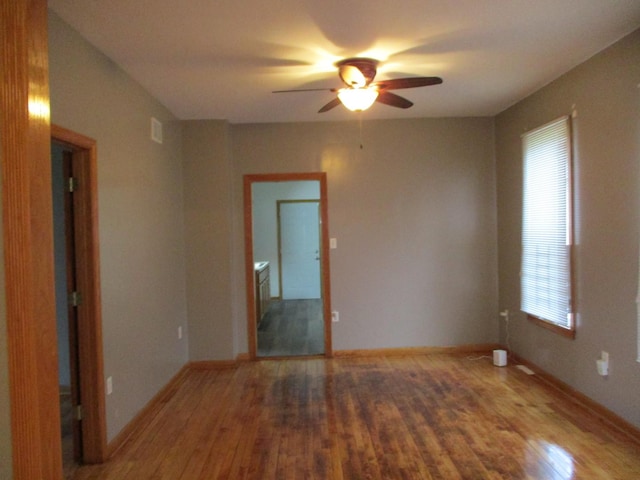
565 332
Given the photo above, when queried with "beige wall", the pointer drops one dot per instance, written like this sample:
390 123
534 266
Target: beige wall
604 91
207 197
141 218
414 217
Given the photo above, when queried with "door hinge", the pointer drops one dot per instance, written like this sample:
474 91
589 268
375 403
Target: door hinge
78 412
73 184
74 299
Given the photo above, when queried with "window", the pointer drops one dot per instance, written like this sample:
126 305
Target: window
547 233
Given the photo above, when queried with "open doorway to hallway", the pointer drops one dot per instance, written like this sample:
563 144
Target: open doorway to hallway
66 318
78 306
287 265
286 244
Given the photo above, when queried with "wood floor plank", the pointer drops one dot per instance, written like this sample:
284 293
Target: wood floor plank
436 416
192 424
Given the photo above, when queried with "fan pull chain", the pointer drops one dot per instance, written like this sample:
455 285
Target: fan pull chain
360 122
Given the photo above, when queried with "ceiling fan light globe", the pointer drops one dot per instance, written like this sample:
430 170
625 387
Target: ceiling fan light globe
358 99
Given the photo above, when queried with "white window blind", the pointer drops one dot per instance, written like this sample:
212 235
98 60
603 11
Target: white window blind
546 225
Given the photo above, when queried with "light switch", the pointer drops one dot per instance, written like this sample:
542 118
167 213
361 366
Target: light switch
333 243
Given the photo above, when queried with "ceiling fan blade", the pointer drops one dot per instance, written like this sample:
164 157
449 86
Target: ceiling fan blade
307 90
408 82
393 100
332 104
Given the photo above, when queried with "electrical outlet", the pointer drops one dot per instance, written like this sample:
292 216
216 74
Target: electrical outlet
335 316
109 385
156 130
603 364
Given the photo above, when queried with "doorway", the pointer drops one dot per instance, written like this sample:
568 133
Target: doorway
286 237
78 308
298 279
299 248
66 306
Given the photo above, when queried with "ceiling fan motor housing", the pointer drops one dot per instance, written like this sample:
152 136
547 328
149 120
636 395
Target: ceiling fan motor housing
367 66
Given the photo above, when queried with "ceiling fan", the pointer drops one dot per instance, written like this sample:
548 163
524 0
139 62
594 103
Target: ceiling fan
360 91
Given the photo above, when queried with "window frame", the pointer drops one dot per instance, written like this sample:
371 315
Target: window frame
570 329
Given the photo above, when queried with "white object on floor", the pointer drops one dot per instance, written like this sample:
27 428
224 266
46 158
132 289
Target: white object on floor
526 370
500 358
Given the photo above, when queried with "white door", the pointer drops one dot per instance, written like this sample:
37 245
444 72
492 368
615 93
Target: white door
299 249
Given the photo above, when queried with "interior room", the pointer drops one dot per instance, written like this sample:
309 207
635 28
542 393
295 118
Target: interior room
423 204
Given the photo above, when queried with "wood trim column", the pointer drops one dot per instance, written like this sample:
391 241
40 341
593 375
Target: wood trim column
249 270
28 240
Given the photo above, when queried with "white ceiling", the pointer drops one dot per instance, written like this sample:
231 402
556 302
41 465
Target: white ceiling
221 59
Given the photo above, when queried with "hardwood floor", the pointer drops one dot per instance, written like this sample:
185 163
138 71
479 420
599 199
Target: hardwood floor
292 328
438 416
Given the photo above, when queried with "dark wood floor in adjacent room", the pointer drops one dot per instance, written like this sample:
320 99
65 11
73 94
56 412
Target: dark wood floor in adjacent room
438 416
292 328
